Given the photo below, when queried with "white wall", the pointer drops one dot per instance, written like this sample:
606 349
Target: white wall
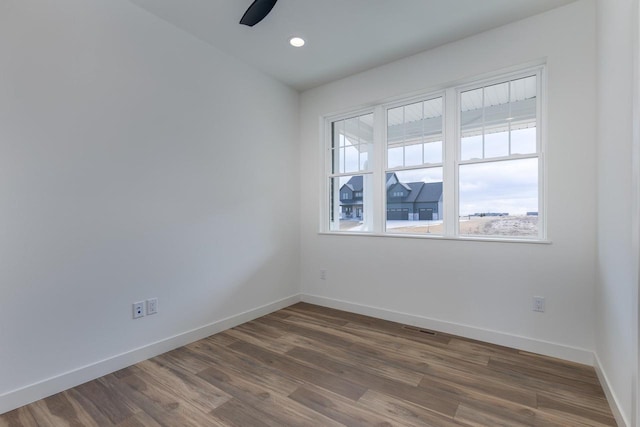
454 284
135 162
617 260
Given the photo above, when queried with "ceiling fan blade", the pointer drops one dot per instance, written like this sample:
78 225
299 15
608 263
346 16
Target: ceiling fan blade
257 11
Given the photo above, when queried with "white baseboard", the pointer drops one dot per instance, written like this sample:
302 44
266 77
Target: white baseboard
561 351
611 396
25 395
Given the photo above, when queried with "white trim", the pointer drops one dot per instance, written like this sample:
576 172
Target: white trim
435 237
25 395
547 348
614 403
635 205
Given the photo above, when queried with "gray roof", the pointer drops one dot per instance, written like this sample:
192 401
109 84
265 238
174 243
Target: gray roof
414 188
418 192
355 183
430 192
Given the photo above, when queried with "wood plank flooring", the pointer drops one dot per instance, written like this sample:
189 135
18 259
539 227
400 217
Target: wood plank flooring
313 366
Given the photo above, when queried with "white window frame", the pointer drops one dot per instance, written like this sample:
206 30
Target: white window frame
399 103
450 159
325 216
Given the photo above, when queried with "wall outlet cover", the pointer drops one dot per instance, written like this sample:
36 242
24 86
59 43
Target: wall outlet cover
138 309
152 306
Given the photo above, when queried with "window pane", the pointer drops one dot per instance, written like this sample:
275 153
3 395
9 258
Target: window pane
366 129
338 134
471 105
414 201
496 144
494 114
351 144
499 198
352 130
351 159
433 152
395 157
413 155
413 122
364 161
349 199
523 141
496 105
471 147
410 127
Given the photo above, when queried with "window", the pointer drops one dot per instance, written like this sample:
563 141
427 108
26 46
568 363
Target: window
350 148
414 167
463 162
499 159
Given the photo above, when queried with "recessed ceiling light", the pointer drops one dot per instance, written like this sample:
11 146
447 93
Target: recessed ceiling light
296 42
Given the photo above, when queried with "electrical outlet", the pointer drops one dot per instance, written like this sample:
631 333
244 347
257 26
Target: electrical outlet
323 274
538 304
138 310
152 306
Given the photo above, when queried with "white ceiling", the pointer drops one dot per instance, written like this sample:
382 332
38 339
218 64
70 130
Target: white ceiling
343 36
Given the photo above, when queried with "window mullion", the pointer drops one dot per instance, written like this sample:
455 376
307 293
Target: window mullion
379 164
450 162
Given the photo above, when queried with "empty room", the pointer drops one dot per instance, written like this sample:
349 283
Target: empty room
319 212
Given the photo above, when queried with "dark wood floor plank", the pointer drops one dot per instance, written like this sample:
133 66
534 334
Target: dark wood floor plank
367 322
242 366
277 408
545 377
478 400
437 402
547 368
350 335
419 349
184 359
403 412
258 328
273 344
327 334
551 403
477 417
313 366
21 417
44 417
552 418
222 339
162 408
380 366
202 395
300 310
305 373
235 413
478 347
90 407
110 404
337 407
538 359
141 419
487 385
371 323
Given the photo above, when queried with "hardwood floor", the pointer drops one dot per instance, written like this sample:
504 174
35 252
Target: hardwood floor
312 366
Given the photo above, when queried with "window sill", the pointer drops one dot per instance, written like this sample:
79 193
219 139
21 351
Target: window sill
437 237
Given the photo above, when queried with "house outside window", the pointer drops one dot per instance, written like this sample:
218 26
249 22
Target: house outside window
351 146
463 162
